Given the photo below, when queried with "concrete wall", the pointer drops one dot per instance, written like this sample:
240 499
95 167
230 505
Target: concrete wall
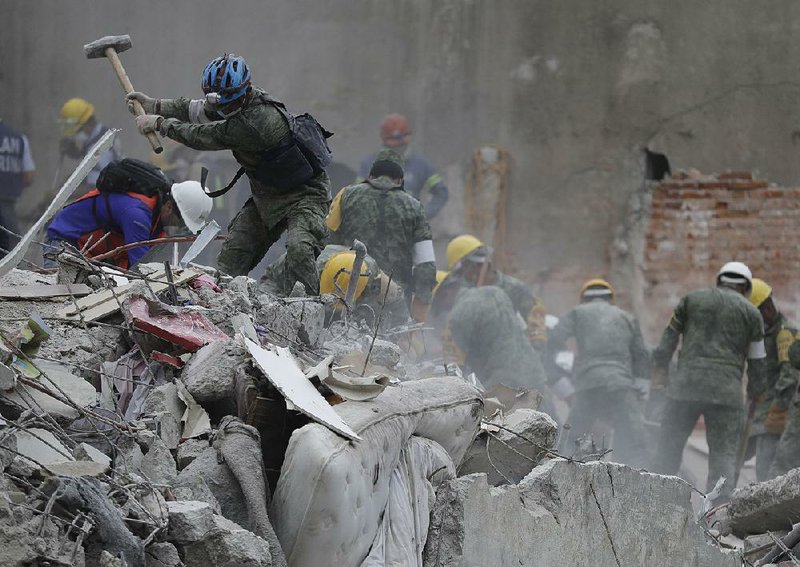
575 89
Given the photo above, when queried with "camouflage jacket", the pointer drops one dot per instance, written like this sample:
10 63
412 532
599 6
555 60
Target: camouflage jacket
610 349
258 128
393 226
780 377
530 307
368 307
484 326
719 328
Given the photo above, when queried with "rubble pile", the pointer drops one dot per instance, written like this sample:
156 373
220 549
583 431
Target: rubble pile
206 423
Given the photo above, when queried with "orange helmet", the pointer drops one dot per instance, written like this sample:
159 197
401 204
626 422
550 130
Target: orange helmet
395 131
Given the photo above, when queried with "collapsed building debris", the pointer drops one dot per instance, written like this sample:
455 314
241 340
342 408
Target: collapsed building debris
232 428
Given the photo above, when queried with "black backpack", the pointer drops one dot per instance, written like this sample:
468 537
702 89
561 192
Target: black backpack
133 176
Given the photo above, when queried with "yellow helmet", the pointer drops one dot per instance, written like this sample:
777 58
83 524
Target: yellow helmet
760 292
441 275
596 282
461 247
74 114
335 277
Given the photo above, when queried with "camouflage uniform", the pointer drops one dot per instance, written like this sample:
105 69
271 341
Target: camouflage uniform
720 329
611 354
530 307
392 224
395 313
484 326
780 379
300 212
787 394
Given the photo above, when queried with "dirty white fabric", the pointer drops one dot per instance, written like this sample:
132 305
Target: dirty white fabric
401 537
332 493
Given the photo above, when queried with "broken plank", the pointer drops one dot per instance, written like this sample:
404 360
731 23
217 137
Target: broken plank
103 303
44 291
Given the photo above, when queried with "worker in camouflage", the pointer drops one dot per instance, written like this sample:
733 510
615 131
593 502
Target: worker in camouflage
611 354
720 330
393 226
244 119
470 259
769 410
370 299
486 330
787 395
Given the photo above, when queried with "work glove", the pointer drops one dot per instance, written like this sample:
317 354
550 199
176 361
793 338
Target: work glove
776 419
147 123
659 378
148 103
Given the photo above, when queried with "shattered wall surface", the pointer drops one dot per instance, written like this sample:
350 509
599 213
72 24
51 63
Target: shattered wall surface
573 89
699 222
566 513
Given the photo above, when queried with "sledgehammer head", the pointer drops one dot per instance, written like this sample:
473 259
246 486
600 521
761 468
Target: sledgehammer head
98 47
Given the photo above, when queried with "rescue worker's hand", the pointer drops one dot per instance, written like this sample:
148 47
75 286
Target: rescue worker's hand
659 378
147 123
776 419
419 310
148 103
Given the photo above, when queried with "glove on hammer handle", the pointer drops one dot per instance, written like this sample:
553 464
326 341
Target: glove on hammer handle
111 54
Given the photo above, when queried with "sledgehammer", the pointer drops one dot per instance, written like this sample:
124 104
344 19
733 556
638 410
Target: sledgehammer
108 47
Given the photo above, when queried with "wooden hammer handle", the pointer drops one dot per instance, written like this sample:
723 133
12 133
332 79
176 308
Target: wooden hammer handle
112 56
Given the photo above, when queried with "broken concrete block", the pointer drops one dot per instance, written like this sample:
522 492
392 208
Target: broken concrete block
385 353
86 452
128 459
291 320
189 521
514 451
162 555
8 378
228 544
195 488
567 513
164 398
39 447
9 441
169 429
220 481
81 392
210 373
78 468
772 505
158 466
189 450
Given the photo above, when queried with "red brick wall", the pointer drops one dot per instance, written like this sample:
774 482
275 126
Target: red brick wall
698 223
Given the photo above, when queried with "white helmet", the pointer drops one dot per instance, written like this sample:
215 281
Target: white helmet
736 270
193 203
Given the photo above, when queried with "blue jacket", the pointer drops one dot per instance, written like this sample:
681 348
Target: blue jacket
128 216
418 176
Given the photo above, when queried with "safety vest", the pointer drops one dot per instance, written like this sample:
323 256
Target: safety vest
12 149
115 239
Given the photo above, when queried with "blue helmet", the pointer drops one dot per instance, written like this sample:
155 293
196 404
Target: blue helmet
228 76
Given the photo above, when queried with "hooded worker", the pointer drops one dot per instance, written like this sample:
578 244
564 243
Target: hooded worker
610 356
393 226
80 130
133 202
469 259
720 332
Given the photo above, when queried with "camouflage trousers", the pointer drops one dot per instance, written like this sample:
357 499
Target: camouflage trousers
724 425
249 239
787 454
620 408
